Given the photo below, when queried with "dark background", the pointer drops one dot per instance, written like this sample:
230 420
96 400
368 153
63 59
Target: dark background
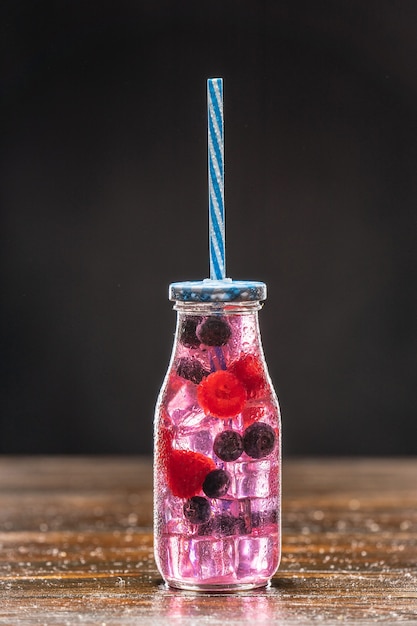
104 203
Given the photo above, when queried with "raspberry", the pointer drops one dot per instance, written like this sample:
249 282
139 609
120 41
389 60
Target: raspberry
164 439
197 510
214 332
249 370
259 440
221 394
175 383
165 442
228 445
186 472
188 336
252 414
216 483
191 369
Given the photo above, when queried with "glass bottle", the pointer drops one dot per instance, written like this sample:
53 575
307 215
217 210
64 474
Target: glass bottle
217 461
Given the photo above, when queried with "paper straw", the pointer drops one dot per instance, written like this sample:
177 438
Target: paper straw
216 178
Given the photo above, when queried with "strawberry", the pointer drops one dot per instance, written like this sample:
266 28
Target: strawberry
186 472
221 394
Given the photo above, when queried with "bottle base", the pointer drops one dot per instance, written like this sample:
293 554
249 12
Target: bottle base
217 587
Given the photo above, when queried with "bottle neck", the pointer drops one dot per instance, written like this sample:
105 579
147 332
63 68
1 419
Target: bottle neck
232 328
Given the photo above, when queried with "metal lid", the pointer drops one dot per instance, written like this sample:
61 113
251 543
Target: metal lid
226 290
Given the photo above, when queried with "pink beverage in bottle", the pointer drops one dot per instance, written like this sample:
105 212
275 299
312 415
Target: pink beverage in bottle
217 444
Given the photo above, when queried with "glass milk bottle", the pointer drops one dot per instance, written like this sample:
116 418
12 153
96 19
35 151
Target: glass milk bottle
217 467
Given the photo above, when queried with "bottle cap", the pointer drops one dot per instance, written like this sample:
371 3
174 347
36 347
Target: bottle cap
226 290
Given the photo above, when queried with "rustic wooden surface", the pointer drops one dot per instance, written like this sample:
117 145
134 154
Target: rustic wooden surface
76 547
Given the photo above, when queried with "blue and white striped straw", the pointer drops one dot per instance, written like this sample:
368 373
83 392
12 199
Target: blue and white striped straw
216 178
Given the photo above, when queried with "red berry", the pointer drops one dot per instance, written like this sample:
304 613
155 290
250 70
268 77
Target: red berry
249 370
165 442
186 472
252 414
164 439
175 383
221 394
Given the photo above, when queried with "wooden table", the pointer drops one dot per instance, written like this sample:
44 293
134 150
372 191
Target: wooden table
76 547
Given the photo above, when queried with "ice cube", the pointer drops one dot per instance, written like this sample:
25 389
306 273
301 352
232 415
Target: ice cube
173 516
265 514
212 559
184 399
257 555
197 441
197 559
252 478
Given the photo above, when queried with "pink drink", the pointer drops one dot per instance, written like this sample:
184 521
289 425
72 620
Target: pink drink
217 448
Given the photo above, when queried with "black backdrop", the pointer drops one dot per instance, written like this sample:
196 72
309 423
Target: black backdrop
104 202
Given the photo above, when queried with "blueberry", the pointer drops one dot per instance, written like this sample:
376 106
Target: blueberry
216 483
188 336
258 440
228 445
197 510
242 525
273 517
225 524
206 529
257 519
263 518
214 332
191 369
